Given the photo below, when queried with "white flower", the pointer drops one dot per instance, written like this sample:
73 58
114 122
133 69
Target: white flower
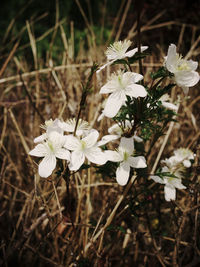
171 183
181 157
124 156
50 149
86 147
165 102
69 126
119 51
176 166
50 126
121 85
120 129
183 70
184 155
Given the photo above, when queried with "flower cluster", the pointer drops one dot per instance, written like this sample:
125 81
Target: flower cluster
173 171
54 144
75 149
75 140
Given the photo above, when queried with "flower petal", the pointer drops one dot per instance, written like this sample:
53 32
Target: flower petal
185 90
187 163
77 159
122 173
126 144
186 78
107 88
115 129
135 50
131 53
157 179
47 165
40 138
91 138
56 138
137 162
101 116
114 103
136 90
113 156
107 138
72 142
136 77
137 139
170 192
171 58
169 106
96 156
192 64
63 153
177 183
39 151
105 65
54 127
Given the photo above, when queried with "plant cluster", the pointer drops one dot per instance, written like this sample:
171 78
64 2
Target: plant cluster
140 111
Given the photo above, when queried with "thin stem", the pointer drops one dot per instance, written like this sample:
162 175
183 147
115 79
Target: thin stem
129 65
77 120
139 35
30 98
66 177
112 214
158 82
86 90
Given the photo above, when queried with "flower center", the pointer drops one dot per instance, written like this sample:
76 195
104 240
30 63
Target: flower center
125 155
121 82
50 145
183 66
182 63
170 179
118 49
83 145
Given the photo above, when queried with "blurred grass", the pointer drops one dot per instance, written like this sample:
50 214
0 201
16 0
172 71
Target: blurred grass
42 69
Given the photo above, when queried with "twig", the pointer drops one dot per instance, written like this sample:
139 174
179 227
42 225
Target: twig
26 148
112 215
123 19
35 251
62 67
30 99
57 199
9 58
163 146
85 92
138 34
115 21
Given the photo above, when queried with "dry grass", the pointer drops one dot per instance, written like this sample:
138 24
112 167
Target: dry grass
93 224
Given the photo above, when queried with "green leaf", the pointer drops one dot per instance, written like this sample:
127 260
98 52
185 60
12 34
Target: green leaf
137 56
168 174
161 72
120 61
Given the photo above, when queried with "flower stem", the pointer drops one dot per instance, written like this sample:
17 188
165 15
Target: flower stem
86 90
139 35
